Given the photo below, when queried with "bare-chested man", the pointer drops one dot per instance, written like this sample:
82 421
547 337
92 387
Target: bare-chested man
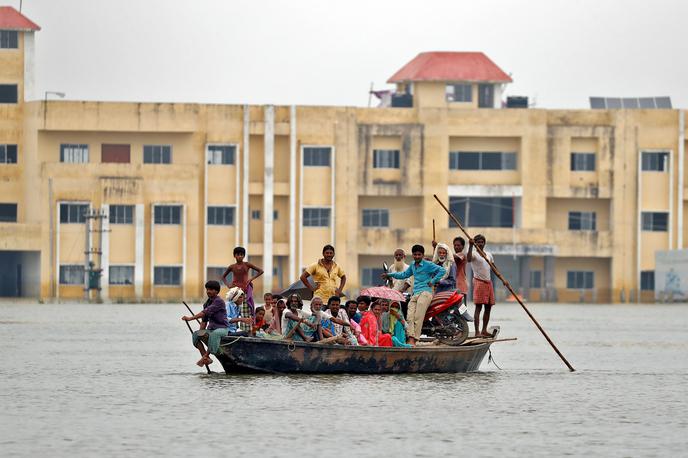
240 276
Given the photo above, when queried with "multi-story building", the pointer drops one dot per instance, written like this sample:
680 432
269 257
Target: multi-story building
574 203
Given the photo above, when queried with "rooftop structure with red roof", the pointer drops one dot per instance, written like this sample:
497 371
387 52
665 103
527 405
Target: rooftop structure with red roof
451 66
11 19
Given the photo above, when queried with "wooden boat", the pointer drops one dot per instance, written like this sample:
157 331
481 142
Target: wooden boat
251 354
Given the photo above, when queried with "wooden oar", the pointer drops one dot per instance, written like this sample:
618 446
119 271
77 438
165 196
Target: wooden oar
506 283
191 330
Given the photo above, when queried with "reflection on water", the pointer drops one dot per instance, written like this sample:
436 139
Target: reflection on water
120 380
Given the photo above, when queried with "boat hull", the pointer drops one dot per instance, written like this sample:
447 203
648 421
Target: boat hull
250 354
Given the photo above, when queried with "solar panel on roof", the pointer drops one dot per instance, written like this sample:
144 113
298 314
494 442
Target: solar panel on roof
663 102
597 103
647 102
630 102
613 103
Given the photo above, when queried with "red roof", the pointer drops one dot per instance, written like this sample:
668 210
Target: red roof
450 66
11 19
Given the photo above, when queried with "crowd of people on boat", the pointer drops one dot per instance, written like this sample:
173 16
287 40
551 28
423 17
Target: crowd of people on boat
332 319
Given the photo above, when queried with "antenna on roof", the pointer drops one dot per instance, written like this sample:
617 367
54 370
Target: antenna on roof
370 94
20 5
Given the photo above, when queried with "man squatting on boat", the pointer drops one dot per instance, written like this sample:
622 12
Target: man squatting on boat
363 321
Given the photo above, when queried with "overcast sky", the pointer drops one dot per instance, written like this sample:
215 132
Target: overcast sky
327 52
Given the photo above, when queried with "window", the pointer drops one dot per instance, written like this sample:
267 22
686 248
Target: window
370 276
275 214
168 214
157 154
375 217
115 153
73 153
535 279
167 276
8 213
316 156
481 160
8 93
215 273
8 154
9 39
121 275
655 221
121 214
459 92
255 214
72 275
583 162
580 279
316 217
655 162
483 211
221 154
221 216
485 95
73 213
647 280
582 221
386 158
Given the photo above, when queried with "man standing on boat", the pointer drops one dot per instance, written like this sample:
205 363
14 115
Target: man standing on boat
326 273
425 275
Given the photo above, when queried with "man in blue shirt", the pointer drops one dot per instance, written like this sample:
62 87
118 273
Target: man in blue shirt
425 275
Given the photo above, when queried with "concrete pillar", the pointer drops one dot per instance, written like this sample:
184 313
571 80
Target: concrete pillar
524 270
105 256
245 166
138 250
292 193
268 196
550 289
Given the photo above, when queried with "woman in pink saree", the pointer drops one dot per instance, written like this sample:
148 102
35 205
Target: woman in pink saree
370 328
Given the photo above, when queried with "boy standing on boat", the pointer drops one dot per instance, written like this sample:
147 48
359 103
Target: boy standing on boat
425 275
483 291
240 276
326 273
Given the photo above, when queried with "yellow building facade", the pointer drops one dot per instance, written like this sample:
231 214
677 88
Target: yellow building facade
574 203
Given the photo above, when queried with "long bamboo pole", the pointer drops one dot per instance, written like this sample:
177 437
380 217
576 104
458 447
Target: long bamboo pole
505 282
191 330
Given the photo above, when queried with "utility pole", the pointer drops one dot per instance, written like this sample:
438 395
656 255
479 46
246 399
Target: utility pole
93 270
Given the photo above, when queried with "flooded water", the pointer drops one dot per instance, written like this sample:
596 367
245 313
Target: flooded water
120 380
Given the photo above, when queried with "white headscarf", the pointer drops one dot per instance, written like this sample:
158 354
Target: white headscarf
446 263
234 293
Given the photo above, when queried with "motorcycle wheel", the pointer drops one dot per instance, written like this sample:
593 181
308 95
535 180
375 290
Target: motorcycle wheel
461 326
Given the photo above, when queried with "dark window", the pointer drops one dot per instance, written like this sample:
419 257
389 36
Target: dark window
157 154
483 211
9 39
275 214
73 213
215 273
486 95
73 153
459 93
375 217
479 160
655 162
221 154
255 214
121 214
115 153
72 275
121 275
370 276
582 221
170 276
317 156
386 158
579 279
8 154
647 280
536 279
316 217
8 93
583 162
655 221
168 214
8 213
222 216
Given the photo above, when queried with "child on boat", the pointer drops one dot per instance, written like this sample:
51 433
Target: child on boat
240 276
260 324
275 327
483 291
214 323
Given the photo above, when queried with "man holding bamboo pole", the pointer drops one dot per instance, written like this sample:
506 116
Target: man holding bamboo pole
483 291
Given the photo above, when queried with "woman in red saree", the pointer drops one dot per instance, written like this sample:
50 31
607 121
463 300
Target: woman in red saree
370 328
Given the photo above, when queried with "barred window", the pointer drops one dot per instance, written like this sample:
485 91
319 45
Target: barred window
167 275
73 213
255 214
655 161
647 280
121 214
375 217
580 279
655 221
317 156
8 154
316 217
583 162
370 276
157 154
72 275
8 213
481 160
215 273
386 158
121 275
536 279
582 221
9 39
73 153
459 92
221 216
221 154
8 93
168 214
